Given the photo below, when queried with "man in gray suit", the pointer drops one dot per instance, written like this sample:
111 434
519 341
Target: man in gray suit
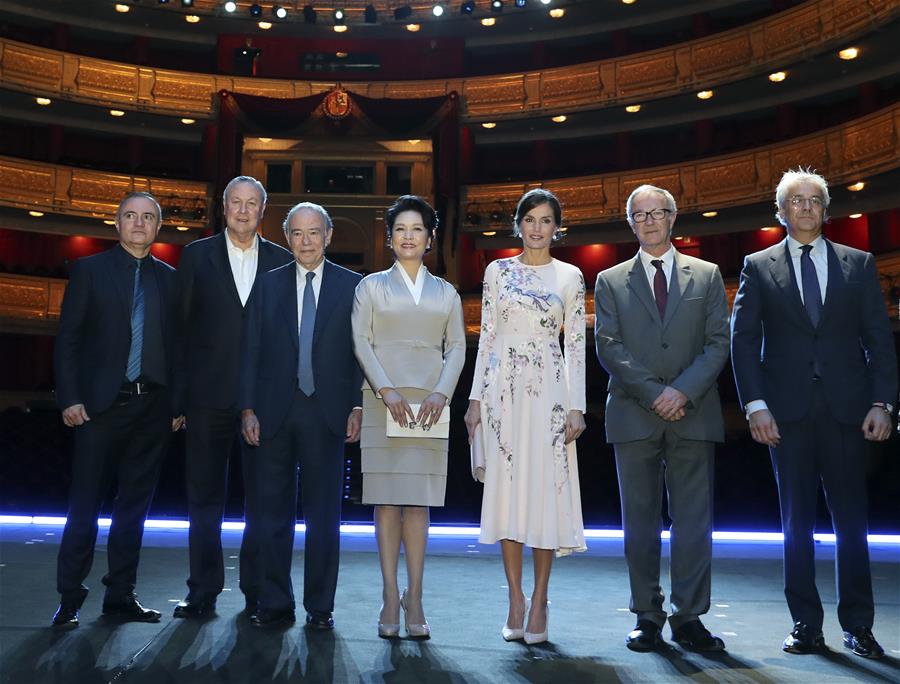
816 370
662 335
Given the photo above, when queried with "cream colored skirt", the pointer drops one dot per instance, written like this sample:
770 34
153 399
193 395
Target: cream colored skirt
400 471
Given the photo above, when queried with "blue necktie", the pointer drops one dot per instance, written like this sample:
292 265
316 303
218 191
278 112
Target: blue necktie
812 295
307 327
133 368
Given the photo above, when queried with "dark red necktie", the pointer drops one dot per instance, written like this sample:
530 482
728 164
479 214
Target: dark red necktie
659 288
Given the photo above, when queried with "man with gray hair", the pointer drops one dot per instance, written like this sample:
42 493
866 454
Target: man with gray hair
215 278
815 369
662 336
300 395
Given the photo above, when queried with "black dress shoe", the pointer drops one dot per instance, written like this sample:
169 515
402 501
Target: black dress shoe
130 610
273 619
66 616
317 619
644 637
194 609
803 639
693 636
862 642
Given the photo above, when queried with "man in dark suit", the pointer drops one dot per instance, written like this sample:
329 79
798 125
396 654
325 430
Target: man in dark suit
662 335
113 357
215 278
815 369
300 395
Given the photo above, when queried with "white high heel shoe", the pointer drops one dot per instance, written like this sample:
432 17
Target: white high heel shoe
414 631
510 634
532 638
387 630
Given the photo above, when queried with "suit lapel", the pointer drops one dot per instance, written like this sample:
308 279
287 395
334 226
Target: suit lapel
682 274
637 281
783 274
327 298
839 270
124 286
287 292
219 258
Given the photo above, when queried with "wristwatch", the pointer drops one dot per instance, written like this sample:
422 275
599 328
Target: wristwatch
887 408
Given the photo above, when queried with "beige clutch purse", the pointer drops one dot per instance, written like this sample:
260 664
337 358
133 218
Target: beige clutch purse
439 430
476 454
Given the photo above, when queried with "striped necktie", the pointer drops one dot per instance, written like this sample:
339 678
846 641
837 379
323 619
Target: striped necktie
133 368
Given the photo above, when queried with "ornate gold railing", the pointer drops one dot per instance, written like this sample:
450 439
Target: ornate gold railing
80 192
772 42
853 151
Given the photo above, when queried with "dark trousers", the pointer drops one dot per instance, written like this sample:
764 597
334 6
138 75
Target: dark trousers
212 437
303 439
685 467
126 442
819 448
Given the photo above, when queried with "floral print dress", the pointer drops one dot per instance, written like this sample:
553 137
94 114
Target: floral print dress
526 386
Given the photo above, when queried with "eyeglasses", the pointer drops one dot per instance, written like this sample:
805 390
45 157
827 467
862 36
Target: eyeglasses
655 214
815 202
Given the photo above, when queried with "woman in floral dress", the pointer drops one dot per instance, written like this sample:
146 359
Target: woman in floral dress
528 400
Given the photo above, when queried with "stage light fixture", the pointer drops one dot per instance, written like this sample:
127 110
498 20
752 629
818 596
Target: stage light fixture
338 15
704 94
633 109
191 18
370 15
181 228
521 3
413 28
309 14
36 214
438 9
339 28
264 25
855 216
856 187
187 3
255 10
546 2
489 125
559 118
163 2
489 233
280 11
488 21
496 5
43 101
230 7
402 12
116 112
557 12
188 122
122 8
467 7
777 76
849 53
709 214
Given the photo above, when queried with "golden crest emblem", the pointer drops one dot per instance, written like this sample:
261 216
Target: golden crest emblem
337 103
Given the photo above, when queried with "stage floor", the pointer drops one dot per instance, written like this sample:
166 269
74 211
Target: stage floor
465 603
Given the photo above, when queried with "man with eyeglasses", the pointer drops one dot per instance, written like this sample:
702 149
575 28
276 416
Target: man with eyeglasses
815 368
662 335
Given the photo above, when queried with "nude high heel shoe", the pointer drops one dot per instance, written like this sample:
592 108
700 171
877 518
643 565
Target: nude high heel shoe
414 631
510 634
532 638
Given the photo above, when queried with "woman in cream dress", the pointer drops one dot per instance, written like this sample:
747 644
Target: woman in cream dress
528 400
409 338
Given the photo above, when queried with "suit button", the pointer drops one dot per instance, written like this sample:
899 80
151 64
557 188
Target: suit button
665 345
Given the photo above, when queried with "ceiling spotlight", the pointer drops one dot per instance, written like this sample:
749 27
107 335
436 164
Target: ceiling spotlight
559 118
339 28
191 18
402 12
633 109
265 140
489 124
264 25
778 76
709 214
856 187
181 228
438 9
467 7
116 112
338 15
704 94
855 216
230 7
521 3
255 10
43 101
369 14
120 7
628 2
413 28
188 122
849 53
187 3
36 214
557 12
309 14
546 2
489 233
279 11
496 5
109 222
488 21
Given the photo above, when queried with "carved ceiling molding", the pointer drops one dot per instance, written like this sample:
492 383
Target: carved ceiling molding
793 34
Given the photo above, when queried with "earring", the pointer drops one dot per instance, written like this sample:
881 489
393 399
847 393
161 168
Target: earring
557 234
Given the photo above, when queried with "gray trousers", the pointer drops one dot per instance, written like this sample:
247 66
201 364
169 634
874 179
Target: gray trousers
685 467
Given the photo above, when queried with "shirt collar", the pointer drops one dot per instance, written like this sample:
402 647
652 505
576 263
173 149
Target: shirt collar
419 275
318 270
668 258
126 259
234 248
795 245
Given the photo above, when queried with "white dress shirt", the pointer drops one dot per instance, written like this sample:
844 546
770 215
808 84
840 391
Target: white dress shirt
668 260
243 265
301 288
415 288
